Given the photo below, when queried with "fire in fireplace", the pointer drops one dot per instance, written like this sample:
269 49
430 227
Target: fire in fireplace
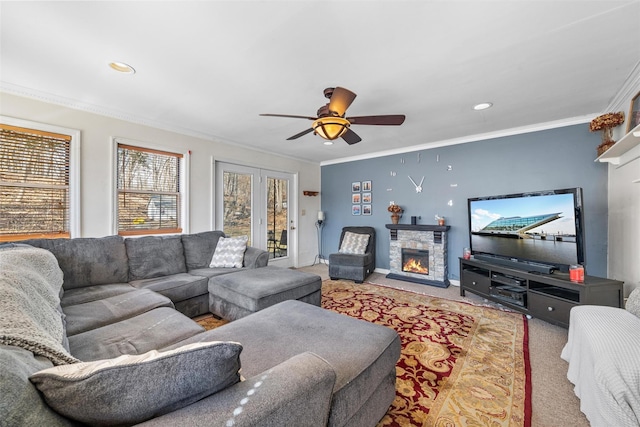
415 261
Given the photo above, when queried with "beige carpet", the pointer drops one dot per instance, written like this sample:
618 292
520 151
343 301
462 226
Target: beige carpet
553 401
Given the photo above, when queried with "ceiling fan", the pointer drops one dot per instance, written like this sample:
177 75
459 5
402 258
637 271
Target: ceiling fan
331 123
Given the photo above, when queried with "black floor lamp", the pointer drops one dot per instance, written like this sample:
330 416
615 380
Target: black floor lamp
319 225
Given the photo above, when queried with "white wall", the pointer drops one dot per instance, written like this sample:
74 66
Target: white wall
97 180
624 224
624 199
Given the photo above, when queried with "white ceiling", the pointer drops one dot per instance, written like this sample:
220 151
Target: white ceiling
209 68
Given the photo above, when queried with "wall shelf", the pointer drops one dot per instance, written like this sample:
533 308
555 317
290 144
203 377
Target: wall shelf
623 151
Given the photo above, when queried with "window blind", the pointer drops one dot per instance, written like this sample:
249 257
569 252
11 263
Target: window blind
148 191
34 183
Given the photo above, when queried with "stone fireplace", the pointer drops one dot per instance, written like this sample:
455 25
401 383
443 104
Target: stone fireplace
418 253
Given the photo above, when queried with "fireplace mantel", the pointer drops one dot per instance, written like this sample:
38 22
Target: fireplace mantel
418 227
432 238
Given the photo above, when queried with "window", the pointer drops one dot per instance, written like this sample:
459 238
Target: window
37 180
149 190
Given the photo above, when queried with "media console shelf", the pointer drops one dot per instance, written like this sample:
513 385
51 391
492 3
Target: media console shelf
548 297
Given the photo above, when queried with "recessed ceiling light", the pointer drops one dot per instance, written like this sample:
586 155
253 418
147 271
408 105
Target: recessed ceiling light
328 143
482 106
121 67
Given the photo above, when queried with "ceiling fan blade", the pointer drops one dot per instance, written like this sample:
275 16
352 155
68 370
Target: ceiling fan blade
298 135
351 137
290 116
340 100
388 120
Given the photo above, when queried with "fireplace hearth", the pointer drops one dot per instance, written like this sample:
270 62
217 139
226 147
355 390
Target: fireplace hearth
418 253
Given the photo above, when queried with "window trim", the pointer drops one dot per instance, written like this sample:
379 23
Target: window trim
74 165
184 184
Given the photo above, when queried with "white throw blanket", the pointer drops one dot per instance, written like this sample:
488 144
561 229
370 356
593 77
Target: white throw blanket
603 351
30 282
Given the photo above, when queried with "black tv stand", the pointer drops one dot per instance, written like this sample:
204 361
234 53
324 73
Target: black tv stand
530 267
549 297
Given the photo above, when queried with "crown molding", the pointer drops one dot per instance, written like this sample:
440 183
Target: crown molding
466 139
49 98
621 100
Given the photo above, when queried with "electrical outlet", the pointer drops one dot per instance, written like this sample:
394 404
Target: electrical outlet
303 213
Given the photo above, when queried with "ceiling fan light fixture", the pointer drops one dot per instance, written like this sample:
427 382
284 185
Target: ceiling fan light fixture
330 128
482 106
121 67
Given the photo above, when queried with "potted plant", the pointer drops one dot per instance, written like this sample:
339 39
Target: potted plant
396 213
606 123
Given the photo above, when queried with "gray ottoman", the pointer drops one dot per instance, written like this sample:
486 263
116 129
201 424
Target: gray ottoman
236 295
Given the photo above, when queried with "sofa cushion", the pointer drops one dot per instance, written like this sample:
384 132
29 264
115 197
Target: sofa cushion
155 256
258 288
349 260
144 386
177 287
199 248
354 243
229 252
94 293
94 314
212 272
148 331
88 261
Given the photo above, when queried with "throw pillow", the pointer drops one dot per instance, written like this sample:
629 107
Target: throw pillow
132 388
354 243
633 302
229 252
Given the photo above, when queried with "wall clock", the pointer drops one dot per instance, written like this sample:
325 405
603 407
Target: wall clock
418 186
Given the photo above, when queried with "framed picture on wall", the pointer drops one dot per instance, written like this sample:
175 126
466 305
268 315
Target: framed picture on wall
355 187
366 209
634 113
366 197
355 198
366 185
355 210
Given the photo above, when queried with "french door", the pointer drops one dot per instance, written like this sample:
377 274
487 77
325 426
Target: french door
257 203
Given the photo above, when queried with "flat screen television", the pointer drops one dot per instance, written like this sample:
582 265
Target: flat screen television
537 231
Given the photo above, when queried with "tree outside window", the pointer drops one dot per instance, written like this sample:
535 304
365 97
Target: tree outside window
149 197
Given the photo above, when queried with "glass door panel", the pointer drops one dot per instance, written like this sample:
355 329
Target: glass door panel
237 204
277 225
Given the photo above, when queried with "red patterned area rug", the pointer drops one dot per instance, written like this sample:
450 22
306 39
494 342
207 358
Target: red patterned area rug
460 365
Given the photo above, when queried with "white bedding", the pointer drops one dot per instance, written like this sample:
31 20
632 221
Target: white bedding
603 351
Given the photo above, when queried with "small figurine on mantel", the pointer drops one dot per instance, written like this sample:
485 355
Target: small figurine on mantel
440 220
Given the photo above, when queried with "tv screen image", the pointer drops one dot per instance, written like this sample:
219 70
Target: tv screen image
537 227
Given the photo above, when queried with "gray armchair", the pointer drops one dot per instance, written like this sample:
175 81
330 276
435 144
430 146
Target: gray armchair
354 266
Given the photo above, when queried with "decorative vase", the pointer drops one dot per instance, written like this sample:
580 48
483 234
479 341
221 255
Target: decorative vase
395 217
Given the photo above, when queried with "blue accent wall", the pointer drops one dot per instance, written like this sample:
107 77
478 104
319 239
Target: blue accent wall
543 160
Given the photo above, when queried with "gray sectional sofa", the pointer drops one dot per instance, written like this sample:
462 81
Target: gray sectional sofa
115 297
